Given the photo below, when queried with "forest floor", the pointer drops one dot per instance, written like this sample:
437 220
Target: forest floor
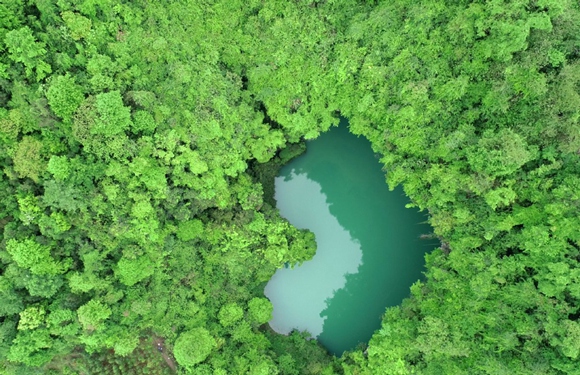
158 344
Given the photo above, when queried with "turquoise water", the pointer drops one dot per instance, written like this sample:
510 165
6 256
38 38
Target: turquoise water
369 250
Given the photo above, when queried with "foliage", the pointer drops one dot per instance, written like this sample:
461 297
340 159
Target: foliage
192 347
139 141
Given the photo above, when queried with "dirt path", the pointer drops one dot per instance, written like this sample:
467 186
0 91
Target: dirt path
159 345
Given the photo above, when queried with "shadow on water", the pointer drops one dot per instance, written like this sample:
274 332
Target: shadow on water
353 186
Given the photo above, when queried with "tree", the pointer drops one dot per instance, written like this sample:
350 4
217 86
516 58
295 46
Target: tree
32 347
230 313
59 167
113 116
64 96
23 48
163 124
259 310
31 318
188 230
10 301
35 257
78 25
132 271
92 315
28 159
62 322
193 347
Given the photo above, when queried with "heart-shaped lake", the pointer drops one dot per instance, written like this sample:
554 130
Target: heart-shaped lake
369 246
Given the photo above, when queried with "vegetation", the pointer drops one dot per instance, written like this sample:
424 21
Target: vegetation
138 138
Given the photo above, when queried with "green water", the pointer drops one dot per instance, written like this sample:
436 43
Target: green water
369 250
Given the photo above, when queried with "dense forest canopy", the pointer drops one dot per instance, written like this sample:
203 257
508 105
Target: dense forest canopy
139 139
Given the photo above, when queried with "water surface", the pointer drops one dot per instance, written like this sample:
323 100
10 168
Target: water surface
369 250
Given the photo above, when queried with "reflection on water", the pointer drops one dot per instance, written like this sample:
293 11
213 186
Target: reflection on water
337 255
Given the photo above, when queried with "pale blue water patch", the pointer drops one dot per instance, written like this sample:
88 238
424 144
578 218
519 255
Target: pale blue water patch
337 255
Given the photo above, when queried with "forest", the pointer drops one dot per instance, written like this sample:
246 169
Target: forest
138 144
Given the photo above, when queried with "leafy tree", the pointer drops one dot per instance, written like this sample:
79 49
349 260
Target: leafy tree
59 167
64 96
260 310
45 286
62 322
188 230
229 314
193 347
23 48
132 271
32 347
113 116
92 314
11 302
28 159
78 25
31 255
31 318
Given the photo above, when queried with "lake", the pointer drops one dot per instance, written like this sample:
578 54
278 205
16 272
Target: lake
369 246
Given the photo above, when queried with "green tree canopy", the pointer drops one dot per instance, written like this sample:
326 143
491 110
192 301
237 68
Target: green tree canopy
193 347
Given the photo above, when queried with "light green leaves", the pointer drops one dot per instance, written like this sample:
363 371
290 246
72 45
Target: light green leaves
188 230
260 310
230 314
571 343
131 271
62 322
23 48
28 160
78 25
501 153
144 122
114 118
92 315
60 167
29 209
31 317
32 347
193 347
31 255
64 96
